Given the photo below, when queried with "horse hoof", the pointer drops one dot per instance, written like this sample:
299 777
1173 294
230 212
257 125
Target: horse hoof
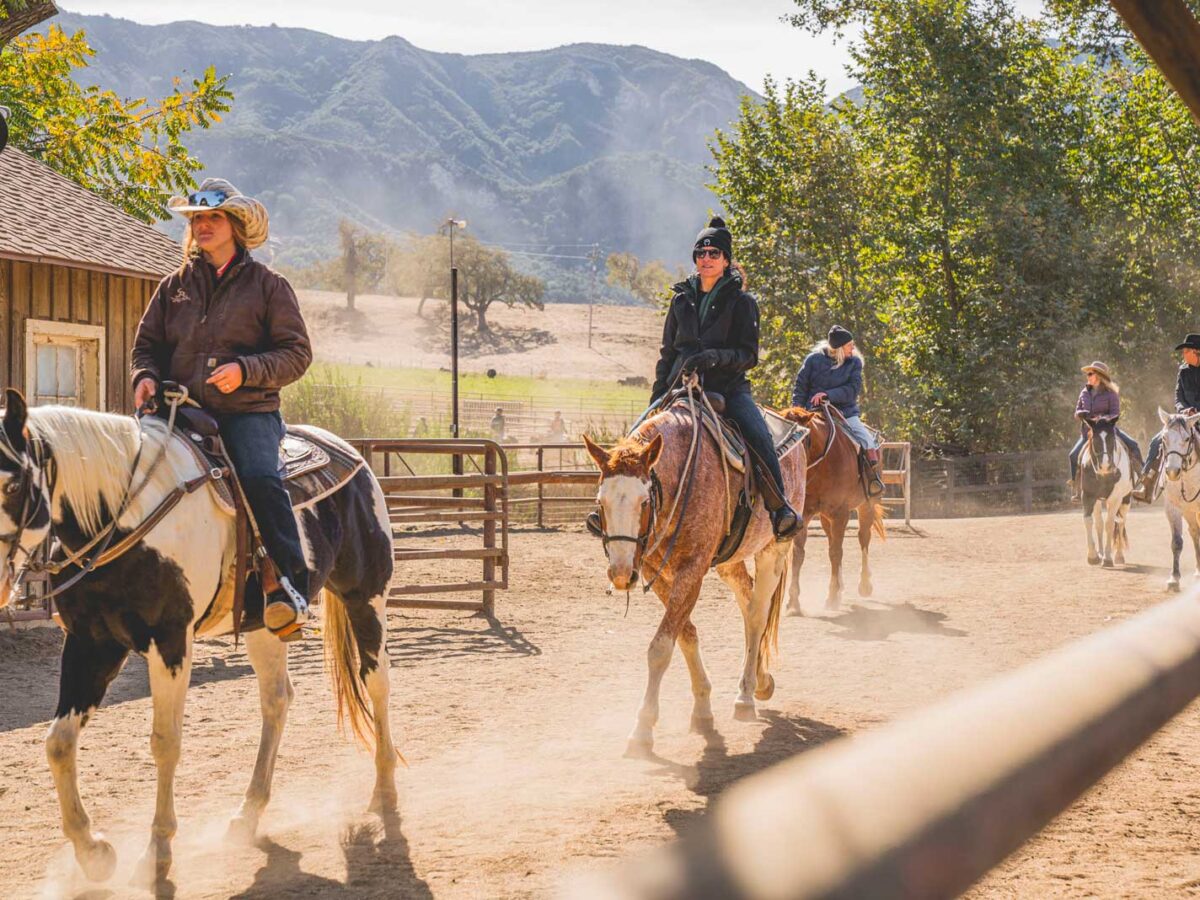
866 590
241 830
99 861
383 802
766 693
745 712
153 867
1107 564
637 748
1120 560
1173 586
703 725
795 610
1093 560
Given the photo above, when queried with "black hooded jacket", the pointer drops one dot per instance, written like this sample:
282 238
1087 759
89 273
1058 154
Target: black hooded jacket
730 327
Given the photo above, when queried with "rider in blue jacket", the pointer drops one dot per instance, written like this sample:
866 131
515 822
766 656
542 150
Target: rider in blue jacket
832 374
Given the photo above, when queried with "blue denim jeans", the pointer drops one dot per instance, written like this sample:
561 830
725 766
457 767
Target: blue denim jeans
252 442
861 433
740 407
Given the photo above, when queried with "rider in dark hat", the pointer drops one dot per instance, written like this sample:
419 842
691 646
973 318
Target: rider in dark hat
1187 401
712 329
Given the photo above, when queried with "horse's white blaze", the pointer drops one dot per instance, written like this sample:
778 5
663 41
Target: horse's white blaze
622 498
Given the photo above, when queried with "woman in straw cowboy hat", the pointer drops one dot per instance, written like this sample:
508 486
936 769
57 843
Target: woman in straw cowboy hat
1100 397
229 329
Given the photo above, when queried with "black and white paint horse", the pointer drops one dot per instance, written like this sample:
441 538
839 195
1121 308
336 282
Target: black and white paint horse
1181 455
1107 485
64 471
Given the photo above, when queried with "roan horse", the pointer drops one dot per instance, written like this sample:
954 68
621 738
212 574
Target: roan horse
835 488
63 473
640 535
1106 484
1181 452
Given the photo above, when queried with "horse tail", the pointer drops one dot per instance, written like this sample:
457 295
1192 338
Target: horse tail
879 511
768 645
342 665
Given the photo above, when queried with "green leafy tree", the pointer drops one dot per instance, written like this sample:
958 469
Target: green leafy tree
363 261
130 152
649 281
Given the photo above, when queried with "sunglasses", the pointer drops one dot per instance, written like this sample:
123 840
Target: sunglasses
708 253
207 198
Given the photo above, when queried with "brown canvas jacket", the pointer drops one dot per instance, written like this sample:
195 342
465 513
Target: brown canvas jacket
194 324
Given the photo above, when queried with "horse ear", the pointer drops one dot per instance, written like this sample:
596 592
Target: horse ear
597 453
1193 419
1163 415
16 412
652 451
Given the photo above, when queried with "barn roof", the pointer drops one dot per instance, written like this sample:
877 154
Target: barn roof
45 217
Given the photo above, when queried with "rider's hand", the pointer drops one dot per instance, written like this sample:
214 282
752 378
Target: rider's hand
818 399
144 393
698 362
227 378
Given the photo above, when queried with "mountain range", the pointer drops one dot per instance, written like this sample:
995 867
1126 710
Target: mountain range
542 150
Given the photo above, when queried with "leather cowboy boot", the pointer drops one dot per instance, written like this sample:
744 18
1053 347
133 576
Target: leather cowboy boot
1147 486
874 473
784 520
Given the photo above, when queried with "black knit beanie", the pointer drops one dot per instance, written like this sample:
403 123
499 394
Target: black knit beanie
715 235
839 337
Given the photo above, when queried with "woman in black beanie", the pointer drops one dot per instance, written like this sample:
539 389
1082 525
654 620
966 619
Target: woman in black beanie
712 329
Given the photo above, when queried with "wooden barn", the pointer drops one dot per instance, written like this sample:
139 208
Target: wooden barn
75 275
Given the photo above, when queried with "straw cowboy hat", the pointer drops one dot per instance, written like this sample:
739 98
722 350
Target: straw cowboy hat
1099 368
217 193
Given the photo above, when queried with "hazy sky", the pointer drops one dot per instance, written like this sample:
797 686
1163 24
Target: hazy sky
744 37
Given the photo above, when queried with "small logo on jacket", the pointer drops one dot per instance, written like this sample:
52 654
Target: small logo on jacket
180 296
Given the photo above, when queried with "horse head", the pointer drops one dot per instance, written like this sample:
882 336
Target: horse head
24 494
1102 440
1179 442
628 498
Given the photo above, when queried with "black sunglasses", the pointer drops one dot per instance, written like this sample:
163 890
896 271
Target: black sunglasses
708 253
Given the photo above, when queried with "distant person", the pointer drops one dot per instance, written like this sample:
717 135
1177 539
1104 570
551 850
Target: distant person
421 429
558 429
498 425
833 373
1100 397
711 329
229 329
1187 402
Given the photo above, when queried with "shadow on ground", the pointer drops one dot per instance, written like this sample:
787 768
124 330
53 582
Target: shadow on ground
476 635
378 864
869 623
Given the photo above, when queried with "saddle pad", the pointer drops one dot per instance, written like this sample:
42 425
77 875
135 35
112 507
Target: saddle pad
785 434
315 465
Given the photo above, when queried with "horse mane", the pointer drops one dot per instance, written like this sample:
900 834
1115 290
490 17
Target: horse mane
626 457
93 452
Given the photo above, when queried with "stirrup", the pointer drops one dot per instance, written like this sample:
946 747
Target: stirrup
285 611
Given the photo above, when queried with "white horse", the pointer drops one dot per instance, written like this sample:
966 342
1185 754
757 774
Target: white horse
1107 484
1181 450
63 474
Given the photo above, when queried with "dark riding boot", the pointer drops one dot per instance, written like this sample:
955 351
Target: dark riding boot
1147 486
784 521
874 468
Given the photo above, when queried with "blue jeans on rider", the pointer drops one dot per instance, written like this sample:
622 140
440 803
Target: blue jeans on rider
1135 452
740 407
252 442
1156 443
861 433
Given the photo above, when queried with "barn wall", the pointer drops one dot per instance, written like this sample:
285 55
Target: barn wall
64 294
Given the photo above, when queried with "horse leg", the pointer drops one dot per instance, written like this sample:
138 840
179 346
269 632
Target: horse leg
379 689
88 667
268 658
743 586
1175 520
1119 537
702 714
1194 530
769 572
682 594
798 549
866 520
1090 514
837 534
168 690
1108 524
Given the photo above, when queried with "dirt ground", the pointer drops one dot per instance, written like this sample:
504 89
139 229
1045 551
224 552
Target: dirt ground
514 730
529 342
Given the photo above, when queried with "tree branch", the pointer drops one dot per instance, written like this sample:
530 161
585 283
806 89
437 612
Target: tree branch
23 16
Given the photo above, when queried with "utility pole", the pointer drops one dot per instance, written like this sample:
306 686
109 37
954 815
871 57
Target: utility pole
594 256
451 225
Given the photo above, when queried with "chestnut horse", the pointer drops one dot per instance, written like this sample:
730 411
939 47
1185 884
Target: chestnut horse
643 494
834 489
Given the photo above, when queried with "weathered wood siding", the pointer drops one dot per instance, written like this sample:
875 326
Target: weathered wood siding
63 294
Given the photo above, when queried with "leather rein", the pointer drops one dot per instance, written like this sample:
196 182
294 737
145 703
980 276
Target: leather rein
1186 461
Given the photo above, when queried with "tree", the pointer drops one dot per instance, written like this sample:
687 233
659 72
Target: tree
650 282
130 152
363 260
17 16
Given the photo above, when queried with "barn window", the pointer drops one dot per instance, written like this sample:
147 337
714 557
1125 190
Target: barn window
64 364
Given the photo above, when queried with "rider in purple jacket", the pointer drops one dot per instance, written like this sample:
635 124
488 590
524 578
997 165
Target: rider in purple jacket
1100 398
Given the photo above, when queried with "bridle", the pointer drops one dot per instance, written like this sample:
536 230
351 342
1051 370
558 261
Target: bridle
1186 460
31 482
646 527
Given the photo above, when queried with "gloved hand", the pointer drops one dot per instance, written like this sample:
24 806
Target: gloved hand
698 362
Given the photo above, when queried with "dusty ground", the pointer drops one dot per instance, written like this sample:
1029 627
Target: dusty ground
515 731
540 343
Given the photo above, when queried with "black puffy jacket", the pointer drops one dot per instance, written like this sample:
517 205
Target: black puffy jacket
730 327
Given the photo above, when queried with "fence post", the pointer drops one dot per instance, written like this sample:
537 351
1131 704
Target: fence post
950 507
540 458
908 485
489 531
1027 485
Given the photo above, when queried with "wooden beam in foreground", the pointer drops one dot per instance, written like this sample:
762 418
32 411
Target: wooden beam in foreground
1170 34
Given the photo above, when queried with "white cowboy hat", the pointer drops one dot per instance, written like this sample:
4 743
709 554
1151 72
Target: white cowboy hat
217 193
1099 368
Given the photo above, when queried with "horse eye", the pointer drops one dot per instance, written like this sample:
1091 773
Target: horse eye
12 487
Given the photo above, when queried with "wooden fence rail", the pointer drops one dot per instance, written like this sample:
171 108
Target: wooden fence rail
926 806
